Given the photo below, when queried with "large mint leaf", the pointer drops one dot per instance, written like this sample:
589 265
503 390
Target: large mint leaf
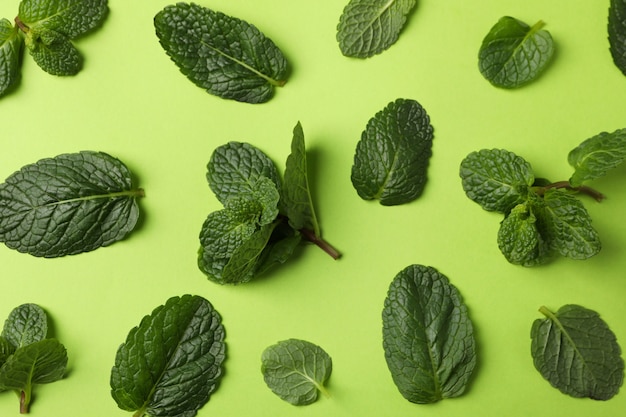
597 155
617 33
172 362
568 225
26 324
496 179
226 56
427 336
519 239
296 370
10 48
513 53
391 159
68 204
236 167
71 18
368 27
54 52
576 351
296 193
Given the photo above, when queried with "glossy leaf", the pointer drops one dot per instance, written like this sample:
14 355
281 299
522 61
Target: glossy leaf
513 53
391 159
26 324
617 33
71 18
68 204
576 352
368 27
10 50
597 155
296 370
172 362
228 57
427 336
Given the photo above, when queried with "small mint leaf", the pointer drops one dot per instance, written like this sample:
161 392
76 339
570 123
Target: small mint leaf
11 43
71 18
26 324
54 52
597 155
519 239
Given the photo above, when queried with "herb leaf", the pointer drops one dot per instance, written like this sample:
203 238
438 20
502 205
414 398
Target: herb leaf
26 324
597 155
575 350
513 53
617 33
367 27
496 179
519 239
427 336
296 370
228 57
69 17
54 52
10 50
172 362
392 156
68 204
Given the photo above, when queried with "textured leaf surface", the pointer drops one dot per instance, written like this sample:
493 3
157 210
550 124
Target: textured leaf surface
519 239
40 362
172 362
10 47
597 155
496 179
513 53
391 159
296 193
71 18
575 350
68 204
54 52
617 33
226 56
26 324
296 370
427 336
368 27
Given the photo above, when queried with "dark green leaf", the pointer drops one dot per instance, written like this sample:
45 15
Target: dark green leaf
391 159
496 179
296 370
6 350
71 18
241 266
279 251
54 52
68 204
575 350
296 192
427 336
597 155
26 324
368 27
519 240
10 54
513 53
617 33
172 362
226 56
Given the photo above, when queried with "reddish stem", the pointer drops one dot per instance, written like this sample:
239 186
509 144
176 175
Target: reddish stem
321 243
598 196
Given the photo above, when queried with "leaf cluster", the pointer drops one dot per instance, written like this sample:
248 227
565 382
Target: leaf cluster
264 217
27 356
47 28
542 218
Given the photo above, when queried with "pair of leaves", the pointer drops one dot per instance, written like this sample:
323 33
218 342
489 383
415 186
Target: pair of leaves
575 350
428 336
226 56
68 204
296 370
391 159
513 53
47 28
27 357
367 27
171 363
542 219
617 33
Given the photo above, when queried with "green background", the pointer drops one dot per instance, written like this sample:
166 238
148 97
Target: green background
131 101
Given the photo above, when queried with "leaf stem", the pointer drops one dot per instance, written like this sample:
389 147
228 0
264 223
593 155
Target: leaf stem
24 402
598 196
21 25
321 243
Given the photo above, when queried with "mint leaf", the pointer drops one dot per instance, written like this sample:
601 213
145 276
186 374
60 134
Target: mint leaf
617 33
6 350
241 266
427 336
496 179
597 155
296 370
40 362
172 362
10 50
71 18
391 159
26 324
54 52
576 352
280 248
68 204
367 27
228 57
513 53
296 193
519 239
